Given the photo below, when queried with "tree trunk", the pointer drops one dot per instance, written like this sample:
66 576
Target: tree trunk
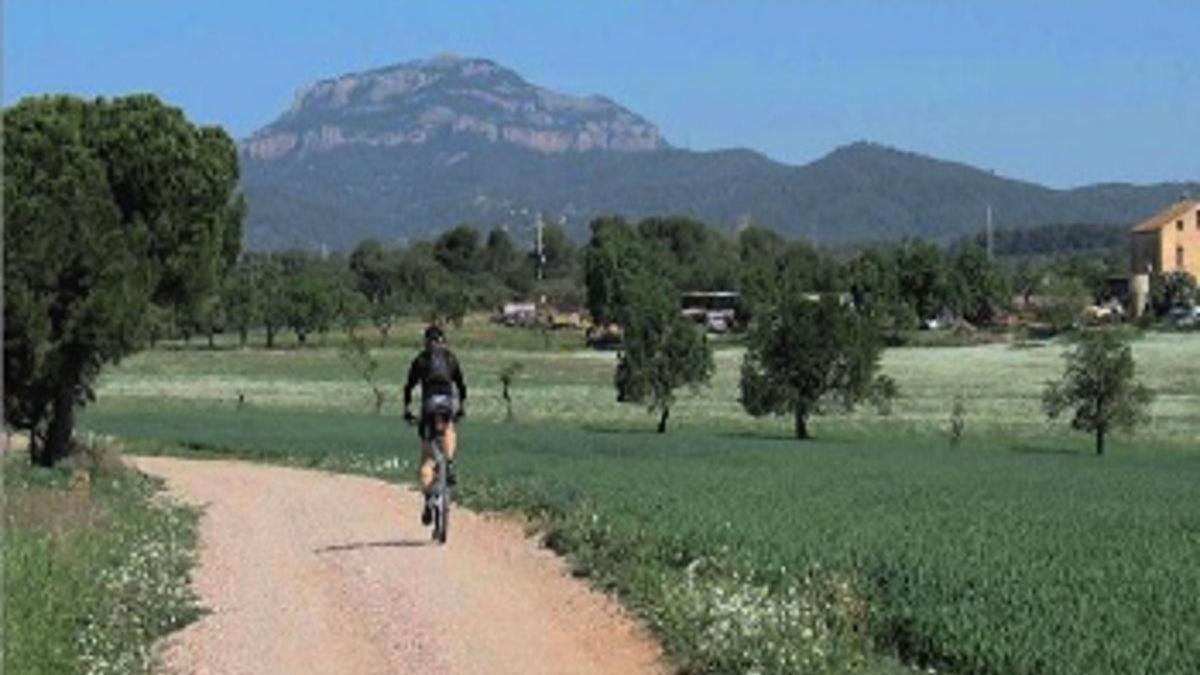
58 434
242 336
380 399
212 339
1100 441
802 424
37 445
270 336
662 420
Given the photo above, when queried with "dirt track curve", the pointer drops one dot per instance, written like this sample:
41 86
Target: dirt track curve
308 572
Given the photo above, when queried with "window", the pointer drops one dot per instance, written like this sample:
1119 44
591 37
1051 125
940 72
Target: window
1179 257
1198 219
1179 226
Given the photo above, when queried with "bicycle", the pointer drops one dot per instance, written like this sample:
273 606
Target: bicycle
438 411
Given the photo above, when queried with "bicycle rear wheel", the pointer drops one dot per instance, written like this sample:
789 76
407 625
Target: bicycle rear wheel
441 522
443 530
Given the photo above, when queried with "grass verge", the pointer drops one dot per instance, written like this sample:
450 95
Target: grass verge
96 567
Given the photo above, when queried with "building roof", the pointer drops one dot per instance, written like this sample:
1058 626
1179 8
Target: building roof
1167 216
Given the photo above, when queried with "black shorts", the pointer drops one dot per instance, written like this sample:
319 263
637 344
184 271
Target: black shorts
432 406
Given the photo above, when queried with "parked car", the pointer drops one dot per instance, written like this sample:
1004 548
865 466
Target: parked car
943 320
518 314
1184 317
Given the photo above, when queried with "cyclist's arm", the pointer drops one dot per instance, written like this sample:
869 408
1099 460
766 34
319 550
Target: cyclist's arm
459 381
414 377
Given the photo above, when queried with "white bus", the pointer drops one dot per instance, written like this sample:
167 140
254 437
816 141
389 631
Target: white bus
717 311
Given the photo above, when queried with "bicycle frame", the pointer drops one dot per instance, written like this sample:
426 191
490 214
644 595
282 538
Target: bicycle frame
441 490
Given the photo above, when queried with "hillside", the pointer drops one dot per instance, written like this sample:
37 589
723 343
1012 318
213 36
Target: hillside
403 151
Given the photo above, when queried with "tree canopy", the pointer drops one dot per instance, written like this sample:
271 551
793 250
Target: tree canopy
613 256
1098 388
661 349
109 206
805 353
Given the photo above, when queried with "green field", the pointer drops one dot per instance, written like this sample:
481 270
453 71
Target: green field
1019 552
1000 384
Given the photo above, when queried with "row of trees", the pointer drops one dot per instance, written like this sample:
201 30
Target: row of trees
375 284
904 283
899 286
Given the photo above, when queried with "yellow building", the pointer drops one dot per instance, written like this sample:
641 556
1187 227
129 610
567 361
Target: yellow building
1169 241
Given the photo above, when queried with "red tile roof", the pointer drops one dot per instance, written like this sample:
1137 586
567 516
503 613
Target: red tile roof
1168 215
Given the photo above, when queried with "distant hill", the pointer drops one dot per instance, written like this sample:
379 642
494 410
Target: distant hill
1056 240
408 150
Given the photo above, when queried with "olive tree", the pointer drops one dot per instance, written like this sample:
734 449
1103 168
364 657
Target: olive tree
662 350
805 353
1098 388
508 375
358 355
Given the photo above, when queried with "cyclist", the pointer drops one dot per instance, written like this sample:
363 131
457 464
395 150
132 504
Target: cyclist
436 369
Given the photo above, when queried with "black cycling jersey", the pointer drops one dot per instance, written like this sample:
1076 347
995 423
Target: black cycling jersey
420 373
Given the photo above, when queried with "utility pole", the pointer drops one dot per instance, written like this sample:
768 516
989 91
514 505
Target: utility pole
539 252
989 231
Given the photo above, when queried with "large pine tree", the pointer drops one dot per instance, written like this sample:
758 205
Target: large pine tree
110 206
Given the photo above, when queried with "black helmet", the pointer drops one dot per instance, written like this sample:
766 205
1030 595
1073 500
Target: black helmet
434 334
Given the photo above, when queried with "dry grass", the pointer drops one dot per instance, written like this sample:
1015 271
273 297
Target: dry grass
61 514
65 511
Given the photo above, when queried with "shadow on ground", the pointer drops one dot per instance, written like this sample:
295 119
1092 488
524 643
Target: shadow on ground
358 546
1030 449
764 436
632 431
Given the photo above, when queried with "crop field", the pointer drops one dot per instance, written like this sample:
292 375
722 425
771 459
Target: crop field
1018 552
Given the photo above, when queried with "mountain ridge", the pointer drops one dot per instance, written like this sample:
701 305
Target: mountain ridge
410 103
403 151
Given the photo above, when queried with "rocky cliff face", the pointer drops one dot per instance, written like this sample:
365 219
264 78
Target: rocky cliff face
453 100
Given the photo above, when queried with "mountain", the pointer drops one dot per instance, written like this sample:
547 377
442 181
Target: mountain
405 151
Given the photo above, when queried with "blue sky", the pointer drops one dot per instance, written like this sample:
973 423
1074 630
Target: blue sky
1060 92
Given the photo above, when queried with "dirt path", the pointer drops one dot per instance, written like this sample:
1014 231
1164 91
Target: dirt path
308 572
